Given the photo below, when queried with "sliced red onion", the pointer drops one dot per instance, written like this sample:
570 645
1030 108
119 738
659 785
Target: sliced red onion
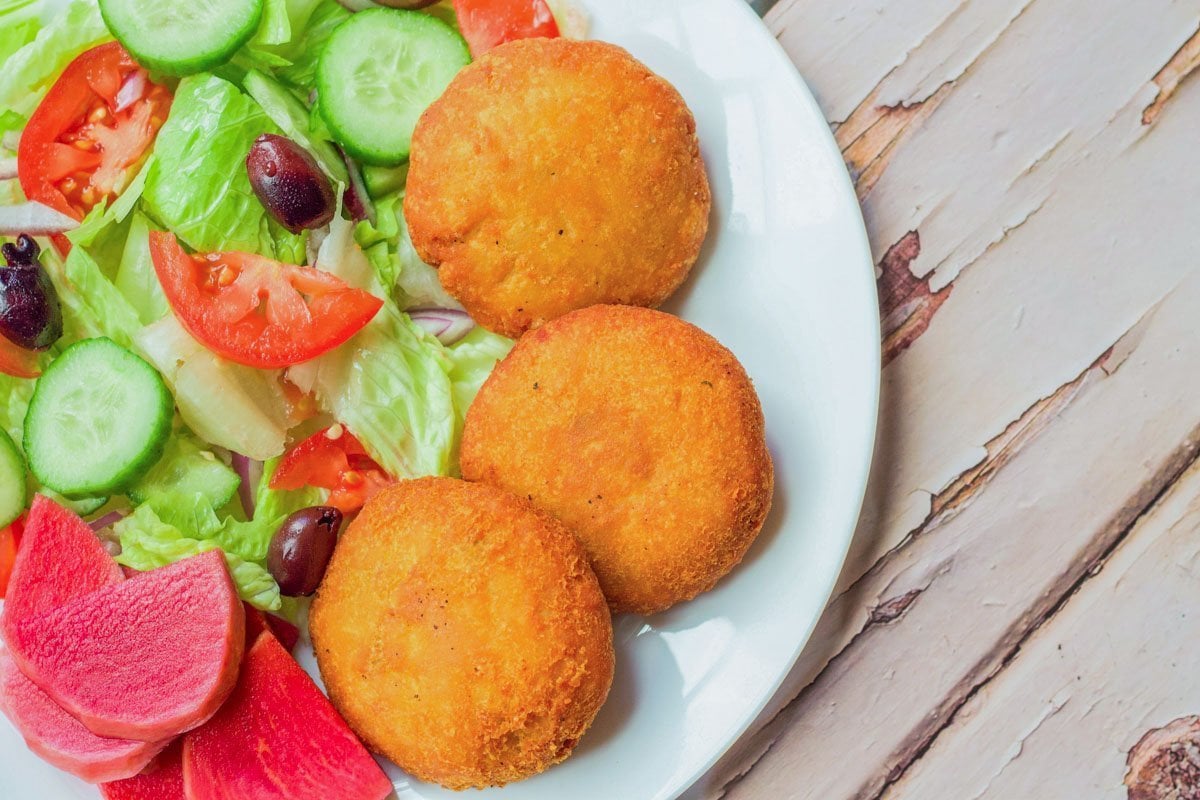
251 473
8 169
34 219
358 199
448 325
108 520
131 91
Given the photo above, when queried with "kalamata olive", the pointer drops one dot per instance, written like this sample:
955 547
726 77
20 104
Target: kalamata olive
30 312
289 183
301 549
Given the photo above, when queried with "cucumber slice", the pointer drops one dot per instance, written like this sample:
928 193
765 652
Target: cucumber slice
187 469
379 72
182 38
14 486
99 419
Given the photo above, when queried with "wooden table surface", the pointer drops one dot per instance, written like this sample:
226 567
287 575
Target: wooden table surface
1020 615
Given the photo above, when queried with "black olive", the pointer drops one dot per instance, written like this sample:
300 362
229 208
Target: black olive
30 312
301 549
289 183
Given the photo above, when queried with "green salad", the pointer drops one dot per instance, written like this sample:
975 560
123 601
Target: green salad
211 316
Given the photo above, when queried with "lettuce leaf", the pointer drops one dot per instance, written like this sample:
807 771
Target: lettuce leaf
92 305
472 361
30 72
198 187
405 277
232 406
396 388
390 384
149 542
15 394
323 18
187 466
19 25
275 504
136 279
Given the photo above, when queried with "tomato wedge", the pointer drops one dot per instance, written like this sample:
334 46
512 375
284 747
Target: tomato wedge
10 538
17 361
332 459
91 132
256 311
488 23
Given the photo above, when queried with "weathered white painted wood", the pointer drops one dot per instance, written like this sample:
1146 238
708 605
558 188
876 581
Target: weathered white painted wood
955 602
1119 659
973 171
1049 221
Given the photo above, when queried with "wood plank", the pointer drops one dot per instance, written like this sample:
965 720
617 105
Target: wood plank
949 610
1118 660
960 410
982 174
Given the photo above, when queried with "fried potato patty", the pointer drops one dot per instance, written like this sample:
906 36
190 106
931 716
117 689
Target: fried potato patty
556 174
462 634
640 432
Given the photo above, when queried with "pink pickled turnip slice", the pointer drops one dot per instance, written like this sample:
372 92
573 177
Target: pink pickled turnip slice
59 560
61 740
145 659
163 781
278 737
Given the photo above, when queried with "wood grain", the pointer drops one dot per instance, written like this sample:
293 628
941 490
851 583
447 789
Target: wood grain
1028 180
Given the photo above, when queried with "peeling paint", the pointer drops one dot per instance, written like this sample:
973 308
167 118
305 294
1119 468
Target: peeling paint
908 304
1174 73
870 136
892 610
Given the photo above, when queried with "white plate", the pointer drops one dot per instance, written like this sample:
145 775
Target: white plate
788 284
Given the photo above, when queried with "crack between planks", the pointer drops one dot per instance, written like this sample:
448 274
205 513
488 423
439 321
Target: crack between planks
1185 456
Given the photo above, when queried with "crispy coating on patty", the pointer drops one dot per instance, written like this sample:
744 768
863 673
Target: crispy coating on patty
556 174
640 432
462 634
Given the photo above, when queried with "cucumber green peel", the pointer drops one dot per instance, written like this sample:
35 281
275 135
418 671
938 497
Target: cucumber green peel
379 72
182 37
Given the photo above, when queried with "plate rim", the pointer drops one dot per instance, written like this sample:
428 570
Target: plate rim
874 379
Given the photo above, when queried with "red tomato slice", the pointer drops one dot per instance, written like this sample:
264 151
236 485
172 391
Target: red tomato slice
332 459
10 538
488 23
91 133
17 361
256 311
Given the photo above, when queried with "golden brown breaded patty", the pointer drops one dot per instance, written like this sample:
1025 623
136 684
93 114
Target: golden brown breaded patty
555 174
640 432
462 634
